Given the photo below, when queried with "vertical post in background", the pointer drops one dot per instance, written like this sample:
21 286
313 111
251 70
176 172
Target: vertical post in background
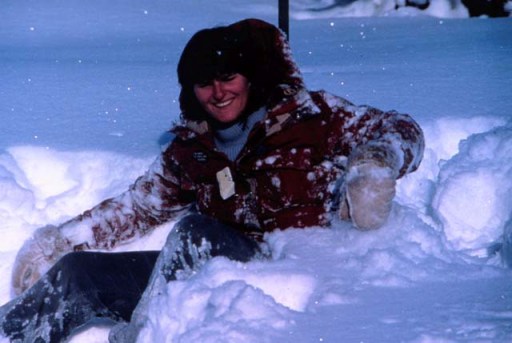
284 17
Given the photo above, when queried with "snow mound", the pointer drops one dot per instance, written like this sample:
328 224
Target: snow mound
220 301
472 200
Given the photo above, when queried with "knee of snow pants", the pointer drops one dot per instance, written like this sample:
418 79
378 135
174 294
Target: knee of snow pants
79 287
197 238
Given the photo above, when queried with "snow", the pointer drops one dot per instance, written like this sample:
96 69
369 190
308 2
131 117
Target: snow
88 90
481 170
365 8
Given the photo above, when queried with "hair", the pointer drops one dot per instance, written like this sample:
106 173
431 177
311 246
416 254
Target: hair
218 51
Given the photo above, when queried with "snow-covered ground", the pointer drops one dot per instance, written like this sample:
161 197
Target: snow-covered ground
88 89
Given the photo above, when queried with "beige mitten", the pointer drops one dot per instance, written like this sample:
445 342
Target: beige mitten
37 255
370 192
370 182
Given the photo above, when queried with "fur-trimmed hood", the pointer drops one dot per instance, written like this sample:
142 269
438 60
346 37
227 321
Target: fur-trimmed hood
261 52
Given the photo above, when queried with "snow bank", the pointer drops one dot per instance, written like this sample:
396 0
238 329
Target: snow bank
311 9
463 183
226 299
472 200
40 185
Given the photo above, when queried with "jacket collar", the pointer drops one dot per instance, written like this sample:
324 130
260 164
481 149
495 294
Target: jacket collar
295 104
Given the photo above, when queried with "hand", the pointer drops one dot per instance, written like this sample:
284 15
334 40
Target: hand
370 191
37 255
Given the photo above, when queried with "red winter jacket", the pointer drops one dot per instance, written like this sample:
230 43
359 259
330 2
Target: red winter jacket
288 174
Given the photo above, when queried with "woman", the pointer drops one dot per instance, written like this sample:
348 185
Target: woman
255 151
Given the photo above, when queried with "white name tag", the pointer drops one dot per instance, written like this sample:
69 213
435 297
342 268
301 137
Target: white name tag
226 184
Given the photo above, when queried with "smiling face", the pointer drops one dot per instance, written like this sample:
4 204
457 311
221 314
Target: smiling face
224 98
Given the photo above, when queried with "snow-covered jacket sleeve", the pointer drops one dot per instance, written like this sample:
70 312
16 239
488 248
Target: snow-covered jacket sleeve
153 199
365 133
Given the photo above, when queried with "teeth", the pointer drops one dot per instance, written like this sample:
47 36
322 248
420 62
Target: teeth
224 103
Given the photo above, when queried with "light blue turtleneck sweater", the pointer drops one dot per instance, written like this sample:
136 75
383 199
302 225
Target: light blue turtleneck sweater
232 139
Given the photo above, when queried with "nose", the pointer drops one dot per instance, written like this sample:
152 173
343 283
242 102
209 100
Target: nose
218 89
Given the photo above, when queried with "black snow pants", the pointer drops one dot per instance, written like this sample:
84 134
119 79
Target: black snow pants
84 286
